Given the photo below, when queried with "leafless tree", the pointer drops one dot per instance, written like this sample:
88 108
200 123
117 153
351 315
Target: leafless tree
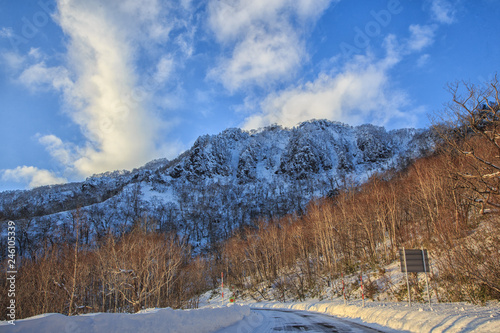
472 130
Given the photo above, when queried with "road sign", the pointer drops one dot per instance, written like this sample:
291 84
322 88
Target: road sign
416 261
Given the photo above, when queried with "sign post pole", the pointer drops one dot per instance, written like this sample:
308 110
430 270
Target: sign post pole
426 278
343 288
362 289
284 289
407 281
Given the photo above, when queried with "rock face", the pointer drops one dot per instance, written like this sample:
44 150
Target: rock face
222 183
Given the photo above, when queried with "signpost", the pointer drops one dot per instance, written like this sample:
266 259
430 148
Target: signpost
362 289
414 261
222 286
343 288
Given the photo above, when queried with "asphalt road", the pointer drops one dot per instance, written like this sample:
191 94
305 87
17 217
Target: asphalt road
274 320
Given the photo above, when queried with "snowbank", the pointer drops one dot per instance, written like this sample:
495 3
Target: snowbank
418 318
149 321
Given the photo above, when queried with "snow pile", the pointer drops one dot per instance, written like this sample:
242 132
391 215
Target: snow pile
147 321
451 317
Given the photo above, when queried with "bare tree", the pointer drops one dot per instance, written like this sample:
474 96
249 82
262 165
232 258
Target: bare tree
473 131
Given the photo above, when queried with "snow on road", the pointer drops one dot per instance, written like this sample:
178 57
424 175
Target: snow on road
311 316
419 318
442 317
272 321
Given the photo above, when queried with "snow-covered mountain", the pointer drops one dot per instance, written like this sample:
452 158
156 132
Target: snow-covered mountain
223 182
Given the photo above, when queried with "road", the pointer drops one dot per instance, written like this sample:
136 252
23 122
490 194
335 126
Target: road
274 320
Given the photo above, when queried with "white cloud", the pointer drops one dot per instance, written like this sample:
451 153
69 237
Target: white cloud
265 39
61 151
39 75
6 32
360 93
17 63
142 20
13 61
32 176
35 53
164 69
443 11
186 4
423 60
261 59
421 36
103 92
231 19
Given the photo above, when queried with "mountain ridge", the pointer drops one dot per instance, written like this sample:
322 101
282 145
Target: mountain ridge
224 181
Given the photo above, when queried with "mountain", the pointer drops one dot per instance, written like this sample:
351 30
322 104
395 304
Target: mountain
222 183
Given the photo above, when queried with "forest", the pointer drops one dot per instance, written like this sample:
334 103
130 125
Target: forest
447 202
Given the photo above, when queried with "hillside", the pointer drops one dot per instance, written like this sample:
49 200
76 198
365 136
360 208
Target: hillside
223 182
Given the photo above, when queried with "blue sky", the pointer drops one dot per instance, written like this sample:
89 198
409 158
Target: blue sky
92 86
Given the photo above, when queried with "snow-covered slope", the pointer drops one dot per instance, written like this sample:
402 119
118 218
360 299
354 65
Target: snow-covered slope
223 182
147 321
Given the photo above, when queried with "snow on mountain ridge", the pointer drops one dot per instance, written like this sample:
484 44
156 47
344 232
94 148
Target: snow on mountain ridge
223 181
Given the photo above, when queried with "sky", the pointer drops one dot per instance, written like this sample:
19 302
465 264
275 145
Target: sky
93 86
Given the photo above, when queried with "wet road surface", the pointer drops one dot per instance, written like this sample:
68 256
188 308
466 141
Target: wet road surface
276 320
